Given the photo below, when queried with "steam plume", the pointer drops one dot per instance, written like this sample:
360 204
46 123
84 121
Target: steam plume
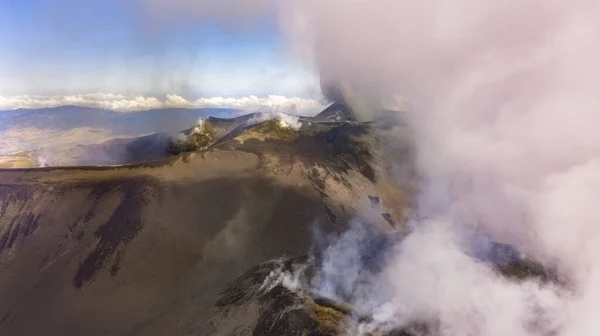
504 98
504 95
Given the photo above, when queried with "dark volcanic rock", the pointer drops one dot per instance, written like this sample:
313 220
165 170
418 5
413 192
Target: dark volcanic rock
120 229
336 112
145 249
279 295
382 118
281 310
354 143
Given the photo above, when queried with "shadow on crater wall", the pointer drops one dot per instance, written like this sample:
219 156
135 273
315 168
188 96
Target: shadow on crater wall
182 242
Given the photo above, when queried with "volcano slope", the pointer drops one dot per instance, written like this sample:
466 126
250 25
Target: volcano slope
146 249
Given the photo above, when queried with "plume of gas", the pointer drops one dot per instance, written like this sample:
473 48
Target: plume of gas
504 105
285 120
433 276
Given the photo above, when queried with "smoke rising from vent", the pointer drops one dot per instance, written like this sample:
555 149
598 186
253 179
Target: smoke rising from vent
505 108
285 120
503 96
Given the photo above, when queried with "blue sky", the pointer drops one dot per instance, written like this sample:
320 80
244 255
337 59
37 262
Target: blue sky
69 47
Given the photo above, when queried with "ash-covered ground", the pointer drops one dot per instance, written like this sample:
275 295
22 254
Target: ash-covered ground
246 226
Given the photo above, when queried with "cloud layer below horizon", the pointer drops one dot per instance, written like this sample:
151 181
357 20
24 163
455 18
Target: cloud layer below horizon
132 103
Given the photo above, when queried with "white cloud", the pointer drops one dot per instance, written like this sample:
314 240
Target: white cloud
122 103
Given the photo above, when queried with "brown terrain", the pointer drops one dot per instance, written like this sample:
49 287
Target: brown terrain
146 249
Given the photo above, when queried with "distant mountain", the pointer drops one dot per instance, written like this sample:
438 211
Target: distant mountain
132 123
76 136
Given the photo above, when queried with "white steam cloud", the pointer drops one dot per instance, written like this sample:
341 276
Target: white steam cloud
505 107
285 120
122 103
